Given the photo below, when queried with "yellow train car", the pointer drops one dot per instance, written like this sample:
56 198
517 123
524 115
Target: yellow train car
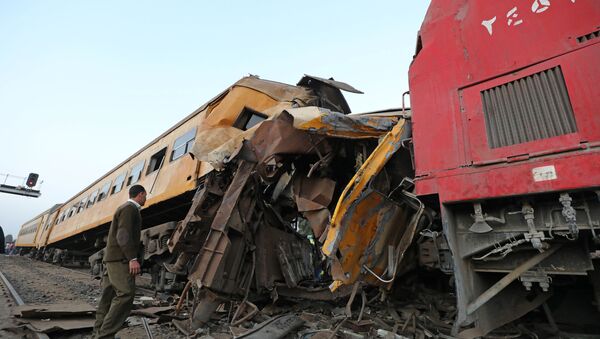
31 230
164 167
45 227
26 236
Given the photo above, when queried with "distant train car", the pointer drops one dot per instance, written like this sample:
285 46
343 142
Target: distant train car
77 229
45 227
29 231
506 130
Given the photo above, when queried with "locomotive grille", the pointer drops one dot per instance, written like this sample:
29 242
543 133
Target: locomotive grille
531 108
589 36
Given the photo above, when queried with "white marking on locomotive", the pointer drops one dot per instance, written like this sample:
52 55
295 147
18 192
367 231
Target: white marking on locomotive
512 15
539 6
544 173
488 24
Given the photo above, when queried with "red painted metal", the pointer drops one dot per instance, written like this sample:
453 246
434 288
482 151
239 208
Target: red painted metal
574 170
470 46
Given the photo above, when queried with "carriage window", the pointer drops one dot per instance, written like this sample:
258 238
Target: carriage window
71 212
48 223
60 218
183 144
248 118
82 205
92 199
118 185
104 191
136 173
156 161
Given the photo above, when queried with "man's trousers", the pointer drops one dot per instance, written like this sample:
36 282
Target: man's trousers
116 301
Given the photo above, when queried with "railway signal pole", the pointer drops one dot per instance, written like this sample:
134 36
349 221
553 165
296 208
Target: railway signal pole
27 188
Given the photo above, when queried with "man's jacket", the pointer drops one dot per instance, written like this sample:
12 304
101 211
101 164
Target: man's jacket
124 235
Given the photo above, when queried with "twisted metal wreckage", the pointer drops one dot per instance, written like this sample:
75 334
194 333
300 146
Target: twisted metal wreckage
307 203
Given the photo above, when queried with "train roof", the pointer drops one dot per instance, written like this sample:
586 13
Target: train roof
50 210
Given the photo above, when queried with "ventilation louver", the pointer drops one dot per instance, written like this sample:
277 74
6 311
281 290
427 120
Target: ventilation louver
531 108
588 36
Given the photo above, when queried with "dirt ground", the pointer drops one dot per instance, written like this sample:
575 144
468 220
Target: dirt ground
41 283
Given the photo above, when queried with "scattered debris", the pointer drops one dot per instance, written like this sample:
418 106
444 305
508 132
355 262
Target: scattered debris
43 311
152 312
62 324
49 318
145 301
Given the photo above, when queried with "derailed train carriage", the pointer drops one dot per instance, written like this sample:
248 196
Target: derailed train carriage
75 228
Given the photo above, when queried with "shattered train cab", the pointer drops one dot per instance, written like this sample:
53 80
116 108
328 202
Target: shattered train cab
303 204
376 217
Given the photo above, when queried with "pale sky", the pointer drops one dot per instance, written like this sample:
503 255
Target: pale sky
83 85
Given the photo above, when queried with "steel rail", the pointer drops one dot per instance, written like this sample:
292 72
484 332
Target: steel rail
147 328
11 289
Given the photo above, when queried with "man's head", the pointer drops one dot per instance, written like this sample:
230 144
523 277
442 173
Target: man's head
138 193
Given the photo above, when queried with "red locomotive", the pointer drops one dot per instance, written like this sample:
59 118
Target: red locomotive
506 133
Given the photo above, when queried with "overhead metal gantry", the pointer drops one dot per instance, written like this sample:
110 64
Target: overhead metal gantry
28 189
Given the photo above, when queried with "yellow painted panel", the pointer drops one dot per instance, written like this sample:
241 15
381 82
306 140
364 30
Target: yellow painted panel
364 223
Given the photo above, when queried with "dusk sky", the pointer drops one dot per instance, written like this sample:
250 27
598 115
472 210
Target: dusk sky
86 84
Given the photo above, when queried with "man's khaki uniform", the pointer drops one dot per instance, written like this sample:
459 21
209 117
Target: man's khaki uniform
118 286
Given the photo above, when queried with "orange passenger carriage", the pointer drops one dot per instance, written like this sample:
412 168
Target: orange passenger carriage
74 232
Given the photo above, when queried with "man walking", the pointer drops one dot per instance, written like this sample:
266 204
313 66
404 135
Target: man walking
121 261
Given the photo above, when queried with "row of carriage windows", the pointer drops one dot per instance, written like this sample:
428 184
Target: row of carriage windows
28 229
247 119
182 145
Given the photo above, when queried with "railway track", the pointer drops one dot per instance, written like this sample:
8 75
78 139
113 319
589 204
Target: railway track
9 298
36 282
9 293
